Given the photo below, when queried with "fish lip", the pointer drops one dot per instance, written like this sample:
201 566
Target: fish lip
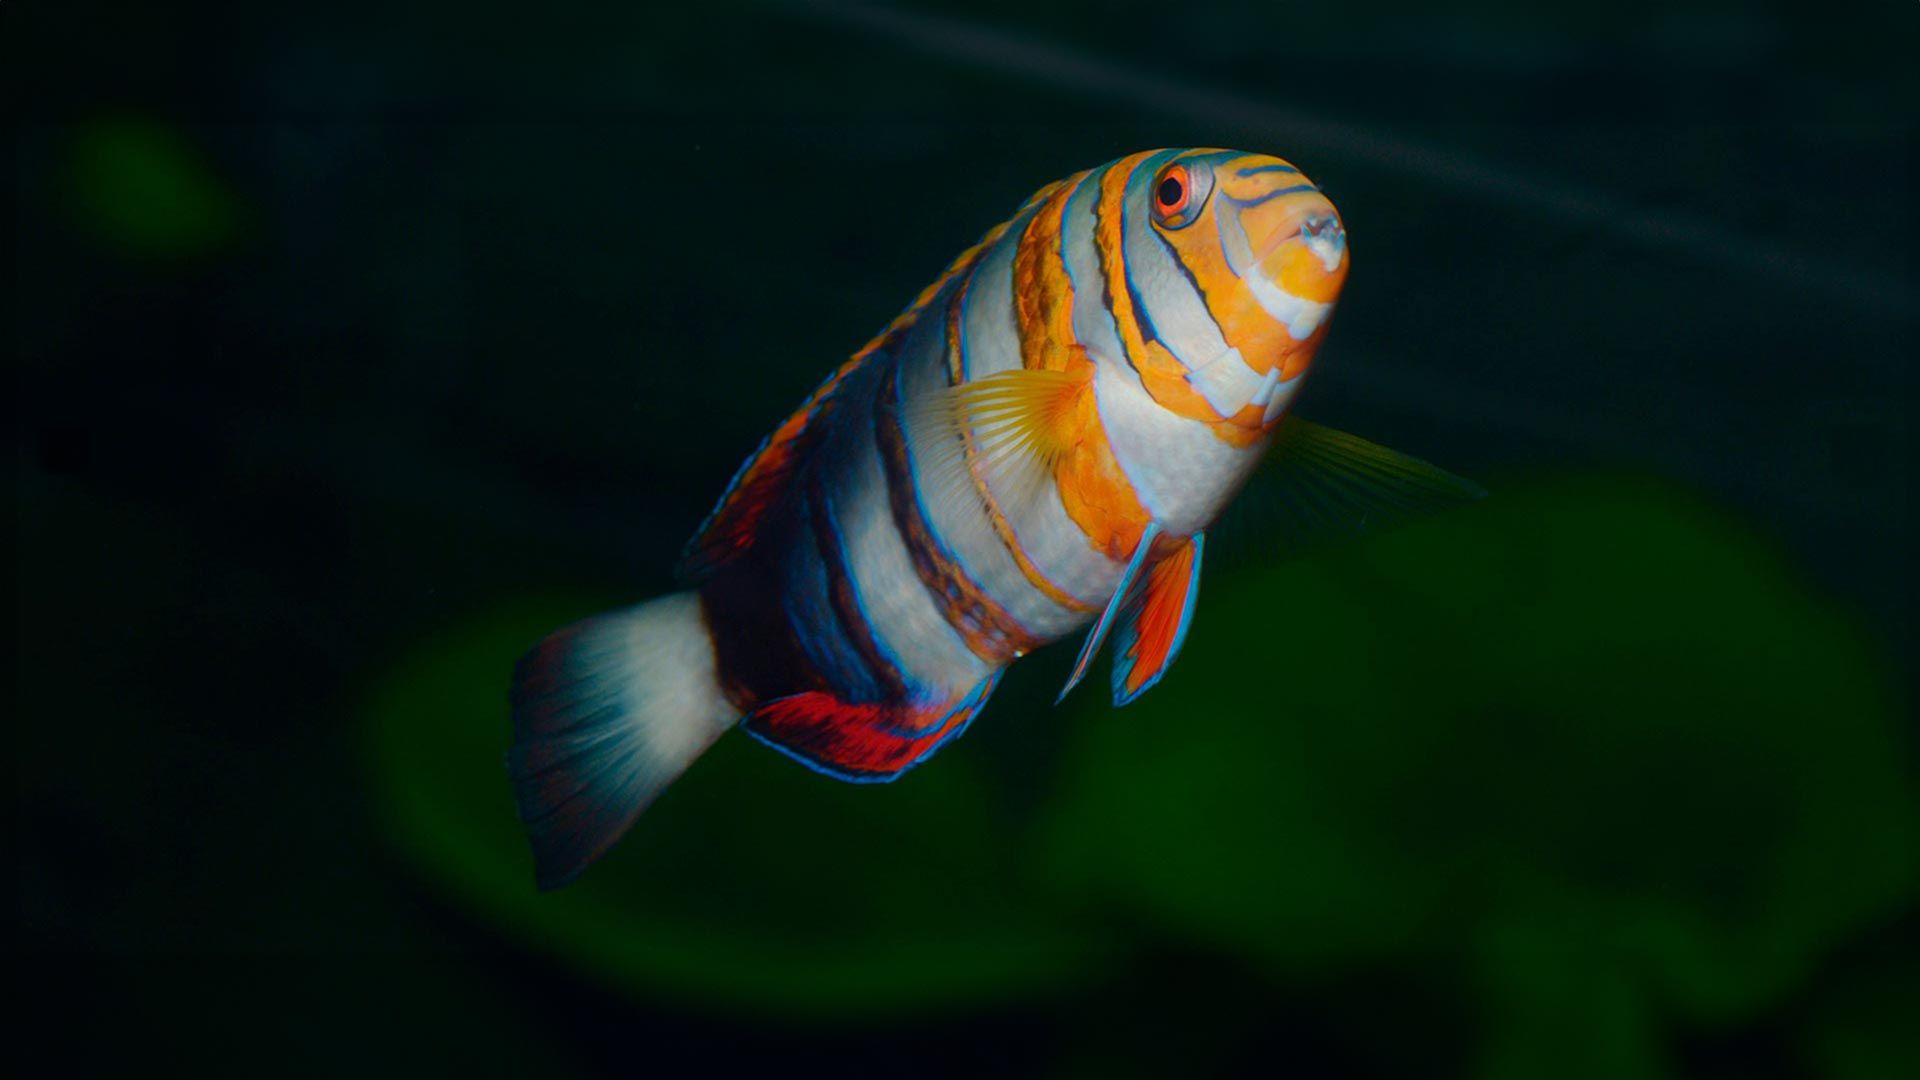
1299 231
1273 245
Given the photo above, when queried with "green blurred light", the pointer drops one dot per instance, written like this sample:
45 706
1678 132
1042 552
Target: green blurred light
146 191
1592 738
1589 746
753 882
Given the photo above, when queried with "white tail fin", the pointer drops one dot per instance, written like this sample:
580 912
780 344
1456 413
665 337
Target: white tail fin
606 713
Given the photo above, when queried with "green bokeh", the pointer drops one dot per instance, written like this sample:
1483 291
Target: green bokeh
1588 737
342 337
753 882
1588 745
146 191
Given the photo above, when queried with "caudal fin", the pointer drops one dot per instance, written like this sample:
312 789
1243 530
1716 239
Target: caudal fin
606 713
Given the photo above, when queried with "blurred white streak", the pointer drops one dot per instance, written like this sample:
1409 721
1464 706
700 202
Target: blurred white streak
1681 235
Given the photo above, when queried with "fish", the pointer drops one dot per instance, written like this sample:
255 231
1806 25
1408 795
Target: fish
1036 446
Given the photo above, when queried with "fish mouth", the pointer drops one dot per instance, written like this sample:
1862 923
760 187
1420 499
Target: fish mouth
1321 231
1326 237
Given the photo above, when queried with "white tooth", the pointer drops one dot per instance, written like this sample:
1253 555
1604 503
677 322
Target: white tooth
1330 246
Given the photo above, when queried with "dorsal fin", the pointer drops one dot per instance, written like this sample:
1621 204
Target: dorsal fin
730 529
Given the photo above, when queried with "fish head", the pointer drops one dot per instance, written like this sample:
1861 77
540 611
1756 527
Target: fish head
1262 246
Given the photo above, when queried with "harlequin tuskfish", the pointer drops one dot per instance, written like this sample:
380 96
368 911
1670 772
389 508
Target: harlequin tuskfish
1039 442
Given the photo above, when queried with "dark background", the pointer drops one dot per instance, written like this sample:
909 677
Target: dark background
356 348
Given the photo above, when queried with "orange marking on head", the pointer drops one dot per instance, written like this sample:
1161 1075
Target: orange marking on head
1159 369
1096 494
1301 272
1042 291
1243 323
1161 373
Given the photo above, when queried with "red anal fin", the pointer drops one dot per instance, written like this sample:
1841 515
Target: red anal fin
864 743
1155 617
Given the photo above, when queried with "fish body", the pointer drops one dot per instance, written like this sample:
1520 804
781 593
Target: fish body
1035 446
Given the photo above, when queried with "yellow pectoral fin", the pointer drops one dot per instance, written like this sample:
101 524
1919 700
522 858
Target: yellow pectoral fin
1021 423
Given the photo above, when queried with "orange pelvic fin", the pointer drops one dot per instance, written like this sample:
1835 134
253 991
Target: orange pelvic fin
1154 618
1098 635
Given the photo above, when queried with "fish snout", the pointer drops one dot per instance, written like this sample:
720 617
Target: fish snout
1306 254
1326 238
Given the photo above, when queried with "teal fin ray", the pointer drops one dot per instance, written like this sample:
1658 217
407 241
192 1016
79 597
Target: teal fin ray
1155 619
1097 635
1319 485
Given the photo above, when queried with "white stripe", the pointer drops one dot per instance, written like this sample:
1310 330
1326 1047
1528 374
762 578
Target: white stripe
1280 395
1228 384
1183 473
902 615
1092 321
1167 299
953 506
1302 317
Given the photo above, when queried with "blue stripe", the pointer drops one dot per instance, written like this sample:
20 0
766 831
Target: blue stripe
1233 242
1133 201
966 299
1271 195
946 551
1093 322
976 698
1255 170
808 605
1163 255
896 673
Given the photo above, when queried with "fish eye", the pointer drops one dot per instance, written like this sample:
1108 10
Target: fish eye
1173 193
1178 194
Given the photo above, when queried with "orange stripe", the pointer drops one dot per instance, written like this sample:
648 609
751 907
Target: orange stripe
1095 493
1042 292
1163 374
1243 323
